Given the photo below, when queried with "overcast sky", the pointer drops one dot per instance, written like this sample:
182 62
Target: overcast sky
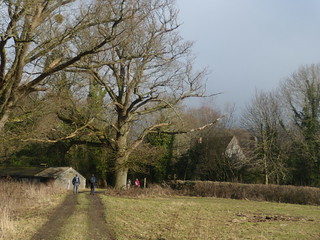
250 45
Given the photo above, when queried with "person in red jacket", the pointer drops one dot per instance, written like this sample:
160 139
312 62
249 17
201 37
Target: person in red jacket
137 183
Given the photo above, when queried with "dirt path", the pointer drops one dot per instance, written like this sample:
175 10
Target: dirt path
98 227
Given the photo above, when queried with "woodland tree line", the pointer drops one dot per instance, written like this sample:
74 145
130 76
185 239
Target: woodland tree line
100 85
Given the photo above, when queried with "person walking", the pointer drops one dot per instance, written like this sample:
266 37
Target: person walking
76 183
93 182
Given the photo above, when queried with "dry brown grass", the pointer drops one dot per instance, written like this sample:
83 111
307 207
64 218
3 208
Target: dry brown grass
22 199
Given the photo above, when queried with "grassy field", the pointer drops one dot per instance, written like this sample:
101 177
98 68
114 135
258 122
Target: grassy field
174 218
141 214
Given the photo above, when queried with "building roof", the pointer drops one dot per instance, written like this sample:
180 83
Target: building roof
50 172
19 171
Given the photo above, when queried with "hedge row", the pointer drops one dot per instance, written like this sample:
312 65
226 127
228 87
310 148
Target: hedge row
257 192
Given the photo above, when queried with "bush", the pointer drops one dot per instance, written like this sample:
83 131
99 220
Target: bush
152 191
257 192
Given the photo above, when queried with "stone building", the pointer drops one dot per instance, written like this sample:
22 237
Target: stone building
57 176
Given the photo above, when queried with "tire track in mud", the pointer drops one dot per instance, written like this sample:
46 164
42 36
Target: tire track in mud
57 219
99 229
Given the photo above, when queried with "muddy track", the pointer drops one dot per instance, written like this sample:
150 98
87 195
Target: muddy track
98 227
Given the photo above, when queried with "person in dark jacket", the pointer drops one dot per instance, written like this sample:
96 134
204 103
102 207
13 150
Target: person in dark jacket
93 182
76 183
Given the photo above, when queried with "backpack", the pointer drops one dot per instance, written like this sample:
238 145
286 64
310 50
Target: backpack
76 180
93 180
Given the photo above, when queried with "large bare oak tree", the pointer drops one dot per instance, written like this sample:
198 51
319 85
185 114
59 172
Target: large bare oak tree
131 48
144 71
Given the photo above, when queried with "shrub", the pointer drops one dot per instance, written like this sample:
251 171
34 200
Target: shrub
257 192
152 191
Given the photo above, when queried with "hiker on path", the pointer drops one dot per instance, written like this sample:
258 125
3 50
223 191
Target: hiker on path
128 184
93 182
76 183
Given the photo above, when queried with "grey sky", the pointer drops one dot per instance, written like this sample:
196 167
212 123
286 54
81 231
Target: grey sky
250 44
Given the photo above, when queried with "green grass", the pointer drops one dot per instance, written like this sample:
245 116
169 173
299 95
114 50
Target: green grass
77 225
184 218
157 214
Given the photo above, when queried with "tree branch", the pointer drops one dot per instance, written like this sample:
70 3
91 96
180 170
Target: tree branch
192 130
72 135
144 133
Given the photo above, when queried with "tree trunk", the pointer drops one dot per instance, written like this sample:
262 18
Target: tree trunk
4 118
266 172
121 172
122 153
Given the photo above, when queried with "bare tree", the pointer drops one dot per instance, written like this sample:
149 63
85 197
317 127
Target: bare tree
143 72
38 38
133 50
301 92
263 119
